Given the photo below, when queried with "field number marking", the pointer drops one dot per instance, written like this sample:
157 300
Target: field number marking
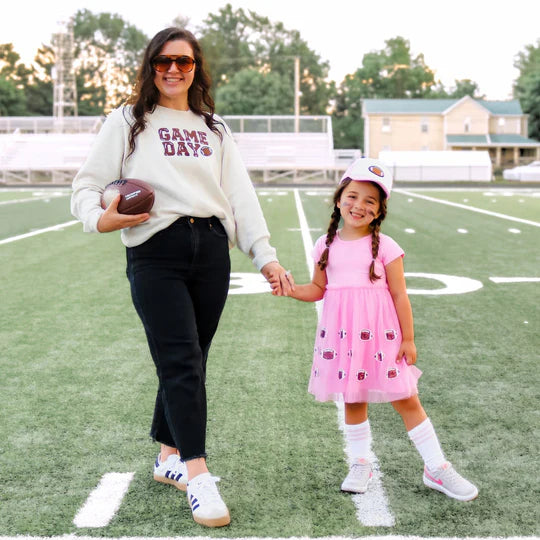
452 284
248 283
255 283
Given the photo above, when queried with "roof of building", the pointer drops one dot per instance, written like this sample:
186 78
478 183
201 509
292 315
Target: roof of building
435 106
467 139
493 139
502 107
512 138
435 157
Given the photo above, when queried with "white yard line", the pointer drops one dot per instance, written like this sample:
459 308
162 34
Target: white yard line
38 231
515 279
103 503
372 508
32 199
466 207
388 537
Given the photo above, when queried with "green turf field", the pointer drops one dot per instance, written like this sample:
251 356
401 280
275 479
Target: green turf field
77 383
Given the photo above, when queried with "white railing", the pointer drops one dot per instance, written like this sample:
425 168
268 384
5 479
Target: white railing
32 151
50 124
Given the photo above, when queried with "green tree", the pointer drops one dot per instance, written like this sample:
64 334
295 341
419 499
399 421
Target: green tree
234 40
39 90
268 93
11 66
108 52
528 90
527 86
465 87
225 41
347 121
528 61
461 88
12 99
348 132
393 73
8 61
13 79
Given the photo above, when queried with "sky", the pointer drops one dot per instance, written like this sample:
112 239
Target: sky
460 39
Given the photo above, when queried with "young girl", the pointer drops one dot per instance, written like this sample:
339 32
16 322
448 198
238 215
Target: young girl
364 347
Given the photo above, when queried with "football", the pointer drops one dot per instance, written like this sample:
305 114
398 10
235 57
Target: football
137 196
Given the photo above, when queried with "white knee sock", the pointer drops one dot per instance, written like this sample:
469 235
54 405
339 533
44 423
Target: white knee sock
425 439
358 437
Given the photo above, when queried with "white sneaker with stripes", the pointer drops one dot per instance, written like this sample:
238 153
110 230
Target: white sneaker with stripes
171 471
206 503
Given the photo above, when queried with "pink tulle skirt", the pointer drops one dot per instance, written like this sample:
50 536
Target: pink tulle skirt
357 342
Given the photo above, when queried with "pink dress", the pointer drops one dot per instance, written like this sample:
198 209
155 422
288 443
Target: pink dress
358 335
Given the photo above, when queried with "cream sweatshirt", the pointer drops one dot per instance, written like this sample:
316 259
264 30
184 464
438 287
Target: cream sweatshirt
192 171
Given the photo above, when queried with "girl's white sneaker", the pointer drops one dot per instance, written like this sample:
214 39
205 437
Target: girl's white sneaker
446 480
359 476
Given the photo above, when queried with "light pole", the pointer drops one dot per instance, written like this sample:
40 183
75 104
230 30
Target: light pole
296 94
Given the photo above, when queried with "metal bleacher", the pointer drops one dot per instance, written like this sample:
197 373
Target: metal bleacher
285 146
45 157
40 150
37 150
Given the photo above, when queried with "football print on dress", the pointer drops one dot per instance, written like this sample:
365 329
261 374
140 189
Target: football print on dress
328 354
361 375
366 335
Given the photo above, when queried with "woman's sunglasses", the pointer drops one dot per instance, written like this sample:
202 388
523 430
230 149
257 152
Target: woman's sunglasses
164 62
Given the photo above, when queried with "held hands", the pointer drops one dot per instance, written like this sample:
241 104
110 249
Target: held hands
407 351
282 282
111 220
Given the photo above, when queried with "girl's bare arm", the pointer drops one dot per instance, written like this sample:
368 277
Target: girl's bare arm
395 276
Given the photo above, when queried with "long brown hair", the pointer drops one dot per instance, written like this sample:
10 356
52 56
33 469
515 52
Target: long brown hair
145 95
374 228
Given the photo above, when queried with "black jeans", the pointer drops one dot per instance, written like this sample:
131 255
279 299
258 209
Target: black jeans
179 283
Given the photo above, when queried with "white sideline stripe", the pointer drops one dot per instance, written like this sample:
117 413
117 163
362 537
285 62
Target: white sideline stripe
304 228
466 207
515 279
33 199
103 503
388 537
39 231
372 507
372 510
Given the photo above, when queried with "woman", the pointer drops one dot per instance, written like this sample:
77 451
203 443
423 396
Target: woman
178 255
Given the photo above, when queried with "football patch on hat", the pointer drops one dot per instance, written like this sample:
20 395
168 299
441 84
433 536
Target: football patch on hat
376 170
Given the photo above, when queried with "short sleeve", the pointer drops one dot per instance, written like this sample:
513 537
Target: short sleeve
389 250
318 248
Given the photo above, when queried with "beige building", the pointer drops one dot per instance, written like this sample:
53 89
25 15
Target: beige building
500 127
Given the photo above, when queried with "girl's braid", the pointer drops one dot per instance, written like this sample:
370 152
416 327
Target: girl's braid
375 228
330 235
